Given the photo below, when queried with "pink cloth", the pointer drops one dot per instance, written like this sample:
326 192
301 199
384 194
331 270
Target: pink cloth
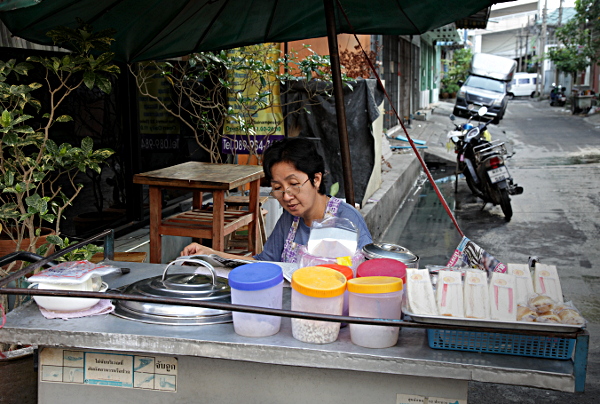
104 306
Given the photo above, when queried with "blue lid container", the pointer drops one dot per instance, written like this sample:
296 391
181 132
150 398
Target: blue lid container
255 276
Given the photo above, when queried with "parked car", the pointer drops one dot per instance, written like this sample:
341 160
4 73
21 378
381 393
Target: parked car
487 85
523 85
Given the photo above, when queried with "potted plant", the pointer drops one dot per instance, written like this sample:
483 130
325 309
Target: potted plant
452 89
37 174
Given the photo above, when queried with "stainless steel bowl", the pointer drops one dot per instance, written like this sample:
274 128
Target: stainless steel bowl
393 251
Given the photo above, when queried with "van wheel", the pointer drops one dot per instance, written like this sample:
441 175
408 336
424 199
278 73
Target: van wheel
510 96
534 94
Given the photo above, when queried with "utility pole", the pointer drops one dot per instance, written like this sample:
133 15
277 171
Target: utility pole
522 54
558 25
560 11
518 51
542 49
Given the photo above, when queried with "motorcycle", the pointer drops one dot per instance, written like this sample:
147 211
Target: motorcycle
481 161
557 96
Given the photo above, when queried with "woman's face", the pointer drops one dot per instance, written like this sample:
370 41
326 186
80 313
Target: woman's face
285 175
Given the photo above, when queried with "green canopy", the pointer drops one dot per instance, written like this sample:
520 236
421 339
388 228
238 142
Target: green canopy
14 4
157 29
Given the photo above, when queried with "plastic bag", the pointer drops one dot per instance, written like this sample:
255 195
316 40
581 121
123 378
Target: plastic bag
332 237
308 260
72 272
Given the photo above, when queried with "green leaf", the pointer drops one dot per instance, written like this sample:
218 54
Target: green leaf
54 239
87 145
48 218
10 139
89 79
9 178
103 154
335 188
6 119
104 84
64 118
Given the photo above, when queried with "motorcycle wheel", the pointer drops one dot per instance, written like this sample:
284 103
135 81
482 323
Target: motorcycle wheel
505 204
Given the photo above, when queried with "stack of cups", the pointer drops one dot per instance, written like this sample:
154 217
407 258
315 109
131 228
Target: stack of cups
317 290
257 284
375 297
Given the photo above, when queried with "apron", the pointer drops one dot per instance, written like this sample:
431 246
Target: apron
290 248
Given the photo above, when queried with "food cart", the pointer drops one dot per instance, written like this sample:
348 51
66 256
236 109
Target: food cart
107 358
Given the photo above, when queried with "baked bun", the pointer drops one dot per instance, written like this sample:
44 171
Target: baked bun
541 303
569 316
548 317
524 313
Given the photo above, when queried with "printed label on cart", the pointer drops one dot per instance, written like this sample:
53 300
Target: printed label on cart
414 399
109 369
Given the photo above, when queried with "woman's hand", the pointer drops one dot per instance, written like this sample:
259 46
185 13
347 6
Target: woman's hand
197 249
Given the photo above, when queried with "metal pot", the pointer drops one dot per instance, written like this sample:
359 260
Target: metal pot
192 286
393 251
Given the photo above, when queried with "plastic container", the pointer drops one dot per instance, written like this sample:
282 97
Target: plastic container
382 267
347 272
257 284
375 297
317 290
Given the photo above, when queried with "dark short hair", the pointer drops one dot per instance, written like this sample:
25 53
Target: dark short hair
299 152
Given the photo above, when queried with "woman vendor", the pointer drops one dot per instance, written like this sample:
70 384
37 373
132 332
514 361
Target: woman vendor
295 170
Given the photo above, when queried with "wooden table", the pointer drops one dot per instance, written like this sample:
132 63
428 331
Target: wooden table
198 178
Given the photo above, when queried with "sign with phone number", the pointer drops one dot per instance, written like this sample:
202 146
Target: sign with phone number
163 142
240 144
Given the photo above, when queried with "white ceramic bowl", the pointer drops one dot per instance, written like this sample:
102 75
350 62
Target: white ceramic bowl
62 303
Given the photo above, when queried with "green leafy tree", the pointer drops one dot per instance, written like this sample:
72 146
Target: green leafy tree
579 39
38 175
456 69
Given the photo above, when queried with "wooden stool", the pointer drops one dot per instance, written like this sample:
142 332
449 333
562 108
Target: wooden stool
235 240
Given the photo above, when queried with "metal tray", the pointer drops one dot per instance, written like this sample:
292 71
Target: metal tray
512 325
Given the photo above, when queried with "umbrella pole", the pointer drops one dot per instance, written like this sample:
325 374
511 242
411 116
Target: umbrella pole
338 92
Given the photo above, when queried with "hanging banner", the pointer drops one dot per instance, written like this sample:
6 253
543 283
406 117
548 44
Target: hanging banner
159 130
256 119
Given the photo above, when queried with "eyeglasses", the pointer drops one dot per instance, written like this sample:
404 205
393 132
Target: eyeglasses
292 190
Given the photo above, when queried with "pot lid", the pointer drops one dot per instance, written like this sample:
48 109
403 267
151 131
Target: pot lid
388 250
189 286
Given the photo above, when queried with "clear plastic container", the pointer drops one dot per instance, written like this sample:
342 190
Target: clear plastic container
375 297
257 284
347 272
317 290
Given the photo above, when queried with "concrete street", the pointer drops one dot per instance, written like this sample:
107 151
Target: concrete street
557 218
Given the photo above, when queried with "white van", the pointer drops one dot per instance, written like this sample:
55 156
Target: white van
523 85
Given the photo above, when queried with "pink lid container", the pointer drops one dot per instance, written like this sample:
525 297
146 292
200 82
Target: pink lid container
382 267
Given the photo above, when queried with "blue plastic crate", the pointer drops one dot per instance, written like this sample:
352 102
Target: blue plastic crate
507 344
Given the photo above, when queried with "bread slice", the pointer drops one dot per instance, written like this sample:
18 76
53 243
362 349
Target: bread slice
476 295
546 282
503 305
523 282
450 294
420 292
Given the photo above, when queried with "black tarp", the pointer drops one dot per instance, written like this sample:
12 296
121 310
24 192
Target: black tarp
315 117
